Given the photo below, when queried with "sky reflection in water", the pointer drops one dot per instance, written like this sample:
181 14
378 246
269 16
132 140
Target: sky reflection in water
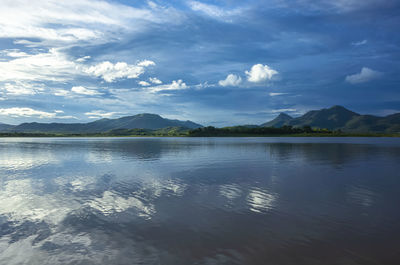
199 201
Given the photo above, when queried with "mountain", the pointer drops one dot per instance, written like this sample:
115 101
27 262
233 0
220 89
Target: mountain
279 121
338 117
4 126
332 118
369 123
142 121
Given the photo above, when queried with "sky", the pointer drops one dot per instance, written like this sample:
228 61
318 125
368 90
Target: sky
213 62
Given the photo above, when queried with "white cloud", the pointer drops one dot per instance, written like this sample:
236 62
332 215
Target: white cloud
203 85
175 85
55 66
272 94
365 75
97 114
260 73
144 83
214 11
85 91
231 80
359 43
62 92
337 6
110 72
29 112
21 88
155 80
283 110
146 63
83 59
48 66
13 53
67 22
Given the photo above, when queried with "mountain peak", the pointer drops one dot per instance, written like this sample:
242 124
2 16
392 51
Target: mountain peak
338 107
147 115
279 121
284 115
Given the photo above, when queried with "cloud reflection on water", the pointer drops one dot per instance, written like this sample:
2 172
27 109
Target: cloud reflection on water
193 200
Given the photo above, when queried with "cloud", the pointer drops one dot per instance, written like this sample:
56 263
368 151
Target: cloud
29 112
260 73
13 53
19 88
61 92
97 114
55 66
359 43
76 21
277 94
110 72
231 80
214 11
84 91
338 6
146 63
47 66
365 75
283 110
175 85
155 80
144 83
83 59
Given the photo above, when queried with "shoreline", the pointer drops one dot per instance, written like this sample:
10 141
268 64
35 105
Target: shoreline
35 135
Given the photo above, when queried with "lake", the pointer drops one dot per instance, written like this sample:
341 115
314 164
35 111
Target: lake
200 201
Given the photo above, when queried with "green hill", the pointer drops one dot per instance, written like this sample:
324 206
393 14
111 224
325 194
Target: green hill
139 121
279 121
340 118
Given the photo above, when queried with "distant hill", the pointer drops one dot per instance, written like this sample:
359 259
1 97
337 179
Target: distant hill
279 121
338 117
4 126
139 121
334 118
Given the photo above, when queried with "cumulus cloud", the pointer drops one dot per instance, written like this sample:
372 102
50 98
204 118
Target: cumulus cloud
110 72
55 66
231 80
85 91
260 73
146 63
144 83
175 85
365 75
98 114
155 80
29 112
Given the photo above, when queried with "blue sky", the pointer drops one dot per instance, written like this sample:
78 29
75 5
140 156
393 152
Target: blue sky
213 62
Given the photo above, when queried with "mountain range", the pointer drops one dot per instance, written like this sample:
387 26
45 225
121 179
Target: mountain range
143 121
340 118
334 118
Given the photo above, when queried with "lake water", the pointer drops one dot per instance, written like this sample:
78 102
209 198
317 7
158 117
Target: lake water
271 201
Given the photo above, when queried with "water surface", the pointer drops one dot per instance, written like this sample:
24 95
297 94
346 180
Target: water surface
199 201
